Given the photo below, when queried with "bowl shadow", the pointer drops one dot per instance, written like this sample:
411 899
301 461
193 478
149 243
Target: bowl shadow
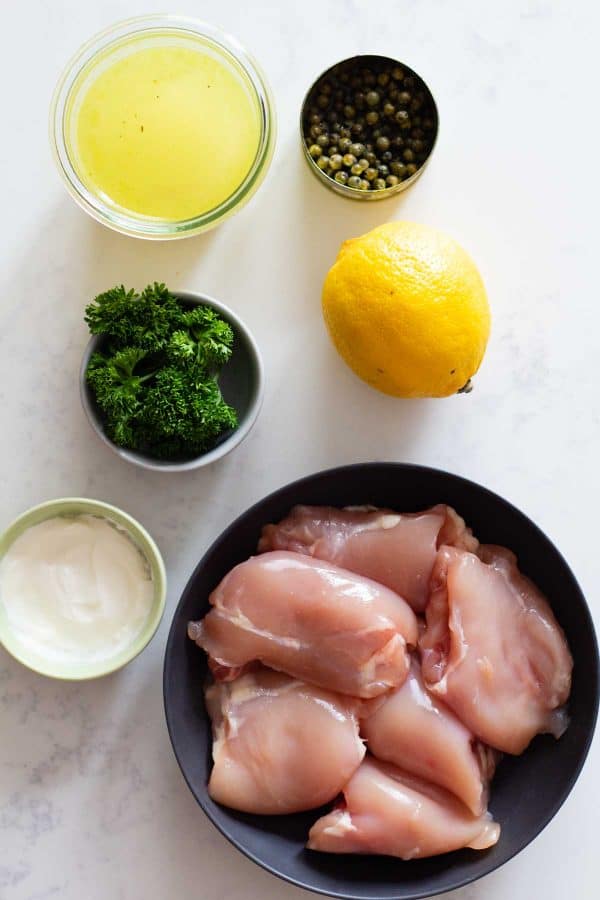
528 790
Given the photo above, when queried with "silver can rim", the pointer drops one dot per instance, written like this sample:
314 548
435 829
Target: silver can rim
341 189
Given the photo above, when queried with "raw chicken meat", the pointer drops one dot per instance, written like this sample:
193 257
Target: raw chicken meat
420 734
493 650
311 619
265 728
395 550
389 812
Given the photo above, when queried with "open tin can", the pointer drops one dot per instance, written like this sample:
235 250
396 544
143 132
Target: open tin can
339 86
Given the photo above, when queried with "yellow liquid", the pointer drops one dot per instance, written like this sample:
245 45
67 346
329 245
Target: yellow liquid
167 131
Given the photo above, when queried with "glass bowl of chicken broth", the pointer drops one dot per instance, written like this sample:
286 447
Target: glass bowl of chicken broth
475 735
141 124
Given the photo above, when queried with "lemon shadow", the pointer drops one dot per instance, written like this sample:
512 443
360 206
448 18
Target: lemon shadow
347 420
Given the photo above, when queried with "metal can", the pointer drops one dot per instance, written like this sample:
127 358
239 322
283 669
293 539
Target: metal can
347 66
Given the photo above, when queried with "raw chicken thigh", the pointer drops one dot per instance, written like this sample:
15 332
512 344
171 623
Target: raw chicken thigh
420 734
493 650
310 619
387 811
266 728
395 550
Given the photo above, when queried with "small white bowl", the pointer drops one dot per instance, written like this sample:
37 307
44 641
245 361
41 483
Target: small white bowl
81 671
241 381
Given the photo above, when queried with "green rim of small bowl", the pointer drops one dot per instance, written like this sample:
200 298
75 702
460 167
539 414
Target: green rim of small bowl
69 506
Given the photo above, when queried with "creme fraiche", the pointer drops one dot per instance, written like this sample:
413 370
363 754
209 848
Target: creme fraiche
76 589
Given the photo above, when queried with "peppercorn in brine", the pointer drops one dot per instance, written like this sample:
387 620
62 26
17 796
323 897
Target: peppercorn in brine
369 123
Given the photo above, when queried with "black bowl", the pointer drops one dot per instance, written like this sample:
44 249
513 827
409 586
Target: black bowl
527 791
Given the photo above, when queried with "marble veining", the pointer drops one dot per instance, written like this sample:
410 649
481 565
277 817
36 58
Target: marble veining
92 804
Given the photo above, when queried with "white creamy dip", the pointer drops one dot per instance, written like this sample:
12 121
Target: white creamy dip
76 589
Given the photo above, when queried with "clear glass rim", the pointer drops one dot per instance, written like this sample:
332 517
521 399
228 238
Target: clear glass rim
148 227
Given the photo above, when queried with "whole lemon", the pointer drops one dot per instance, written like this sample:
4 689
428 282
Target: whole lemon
407 310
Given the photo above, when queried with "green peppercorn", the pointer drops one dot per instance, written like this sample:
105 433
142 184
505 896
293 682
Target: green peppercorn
370 128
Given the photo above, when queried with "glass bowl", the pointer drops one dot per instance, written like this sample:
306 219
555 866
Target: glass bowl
115 43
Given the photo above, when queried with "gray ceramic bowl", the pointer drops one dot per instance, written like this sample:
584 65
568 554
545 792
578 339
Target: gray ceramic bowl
527 791
241 382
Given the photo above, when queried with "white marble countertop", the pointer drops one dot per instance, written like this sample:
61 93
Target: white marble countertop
92 804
